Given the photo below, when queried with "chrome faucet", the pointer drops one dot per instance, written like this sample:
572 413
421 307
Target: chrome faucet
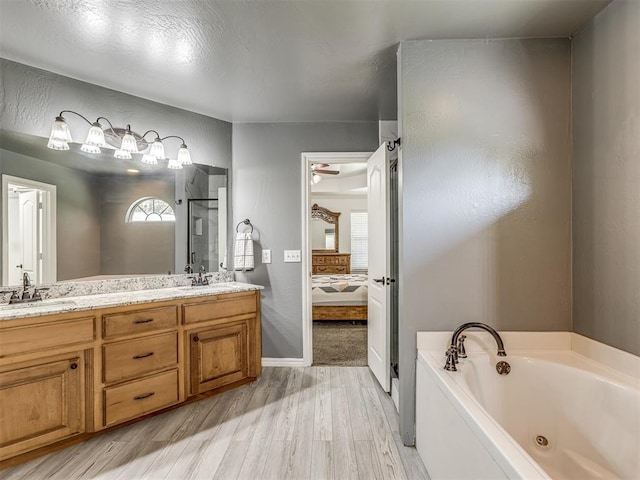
456 346
201 279
26 295
26 284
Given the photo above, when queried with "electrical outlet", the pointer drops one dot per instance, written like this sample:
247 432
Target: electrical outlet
292 256
266 256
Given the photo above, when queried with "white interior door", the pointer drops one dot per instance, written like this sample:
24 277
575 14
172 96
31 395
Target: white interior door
378 327
29 233
28 230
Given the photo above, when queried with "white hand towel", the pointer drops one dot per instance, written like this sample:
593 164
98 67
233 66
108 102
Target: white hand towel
243 252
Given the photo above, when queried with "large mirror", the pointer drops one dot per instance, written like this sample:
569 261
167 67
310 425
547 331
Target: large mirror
324 229
69 215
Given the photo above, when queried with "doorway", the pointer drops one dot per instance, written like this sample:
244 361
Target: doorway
28 231
335 258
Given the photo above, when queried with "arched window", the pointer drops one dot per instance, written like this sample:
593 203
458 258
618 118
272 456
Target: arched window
150 209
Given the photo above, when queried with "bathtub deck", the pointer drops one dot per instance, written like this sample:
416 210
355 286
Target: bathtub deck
293 423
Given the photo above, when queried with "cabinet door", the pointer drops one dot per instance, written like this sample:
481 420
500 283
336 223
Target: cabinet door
40 404
219 356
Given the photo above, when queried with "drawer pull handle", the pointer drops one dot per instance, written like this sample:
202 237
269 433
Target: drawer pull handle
196 338
148 320
146 395
143 355
73 366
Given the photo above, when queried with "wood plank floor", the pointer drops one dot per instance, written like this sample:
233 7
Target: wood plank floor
293 423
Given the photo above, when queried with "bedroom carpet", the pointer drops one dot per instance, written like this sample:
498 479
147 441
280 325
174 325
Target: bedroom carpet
340 343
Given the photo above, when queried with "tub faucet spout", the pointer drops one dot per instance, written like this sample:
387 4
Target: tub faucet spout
452 352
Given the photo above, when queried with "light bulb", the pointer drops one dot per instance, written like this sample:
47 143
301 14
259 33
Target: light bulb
149 159
157 150
129 143
90 148
60 135
184 157
95 136
174 164
122 154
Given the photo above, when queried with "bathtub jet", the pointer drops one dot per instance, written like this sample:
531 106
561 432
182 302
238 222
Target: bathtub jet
456 347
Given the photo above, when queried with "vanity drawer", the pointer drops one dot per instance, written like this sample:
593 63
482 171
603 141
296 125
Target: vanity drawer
139 321
132 358
45 335
140 397
222 307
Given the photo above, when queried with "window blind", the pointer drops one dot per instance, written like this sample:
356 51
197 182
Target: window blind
359 241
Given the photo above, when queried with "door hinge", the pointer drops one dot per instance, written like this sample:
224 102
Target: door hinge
40 205
40 256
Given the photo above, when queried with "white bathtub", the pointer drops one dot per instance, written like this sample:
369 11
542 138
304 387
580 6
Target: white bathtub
475 423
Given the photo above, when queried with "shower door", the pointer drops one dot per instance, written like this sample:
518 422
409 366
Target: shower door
203 234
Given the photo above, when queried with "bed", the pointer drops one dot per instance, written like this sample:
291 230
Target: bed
339 297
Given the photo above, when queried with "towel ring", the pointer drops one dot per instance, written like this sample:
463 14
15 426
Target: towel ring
246 221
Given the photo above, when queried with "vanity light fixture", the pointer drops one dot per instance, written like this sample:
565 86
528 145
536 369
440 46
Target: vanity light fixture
125 141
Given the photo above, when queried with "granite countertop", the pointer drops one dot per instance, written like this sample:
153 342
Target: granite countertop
116 299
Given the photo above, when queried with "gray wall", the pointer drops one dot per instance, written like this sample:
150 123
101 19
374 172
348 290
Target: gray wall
267 189
606 177
135 248
77 213
485 171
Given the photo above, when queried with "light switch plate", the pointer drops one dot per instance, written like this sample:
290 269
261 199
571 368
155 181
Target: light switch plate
266 256
292 256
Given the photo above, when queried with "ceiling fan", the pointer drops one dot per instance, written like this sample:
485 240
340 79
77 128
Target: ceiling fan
321 168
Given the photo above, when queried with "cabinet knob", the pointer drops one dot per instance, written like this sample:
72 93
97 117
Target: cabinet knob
196 338
73 366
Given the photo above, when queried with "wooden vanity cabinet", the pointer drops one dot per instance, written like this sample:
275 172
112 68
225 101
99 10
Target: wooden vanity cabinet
140 362
65 376
42 402
43 380
223 340
219 356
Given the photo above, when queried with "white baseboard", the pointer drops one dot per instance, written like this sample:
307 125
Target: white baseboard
282 362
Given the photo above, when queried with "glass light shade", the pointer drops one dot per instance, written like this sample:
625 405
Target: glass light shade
129 144
157 150
149 159
58 145
174 164
316 178
122 154
95 137
184 157
60 135
90 148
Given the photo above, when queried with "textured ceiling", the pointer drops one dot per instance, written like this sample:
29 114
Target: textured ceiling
261 61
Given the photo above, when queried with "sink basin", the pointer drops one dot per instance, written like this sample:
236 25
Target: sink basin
40 304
